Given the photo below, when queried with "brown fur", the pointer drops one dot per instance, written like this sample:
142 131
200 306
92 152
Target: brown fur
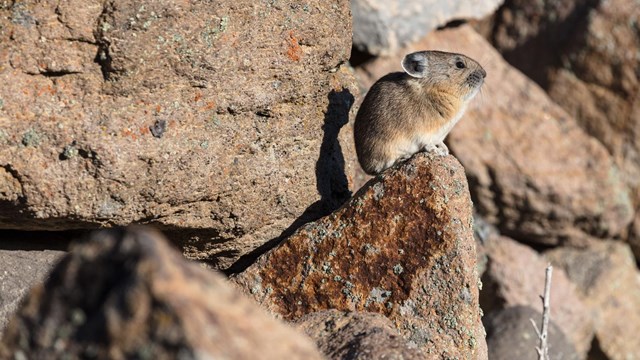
400 107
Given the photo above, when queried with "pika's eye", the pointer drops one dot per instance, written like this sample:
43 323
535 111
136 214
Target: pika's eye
460 65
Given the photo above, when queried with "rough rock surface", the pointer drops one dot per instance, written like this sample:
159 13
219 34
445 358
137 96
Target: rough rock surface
403 246
521 28
590 66
219 121
609 282
381 27
511 336
363 336
515 276
532 170
19 271
126 294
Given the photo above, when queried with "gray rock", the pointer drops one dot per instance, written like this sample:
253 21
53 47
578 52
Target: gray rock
510 336
381 27
19 271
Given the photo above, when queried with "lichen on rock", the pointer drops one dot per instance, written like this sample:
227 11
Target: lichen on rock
406 253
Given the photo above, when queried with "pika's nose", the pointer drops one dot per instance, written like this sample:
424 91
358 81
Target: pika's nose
483 73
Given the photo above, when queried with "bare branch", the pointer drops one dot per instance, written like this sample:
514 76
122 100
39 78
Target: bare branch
543 348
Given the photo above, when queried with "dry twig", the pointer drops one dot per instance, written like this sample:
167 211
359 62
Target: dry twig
543 348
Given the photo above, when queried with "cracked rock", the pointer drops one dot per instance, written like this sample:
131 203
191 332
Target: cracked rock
218 175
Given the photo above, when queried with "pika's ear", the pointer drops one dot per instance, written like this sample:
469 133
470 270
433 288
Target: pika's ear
416 64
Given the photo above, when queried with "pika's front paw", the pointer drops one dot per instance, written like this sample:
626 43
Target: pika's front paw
439 149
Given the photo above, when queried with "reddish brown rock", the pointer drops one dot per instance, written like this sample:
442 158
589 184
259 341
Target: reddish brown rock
532 170
363 336
531 35
586 54
609 283
599 84
515 276
125 294
197 117
403 247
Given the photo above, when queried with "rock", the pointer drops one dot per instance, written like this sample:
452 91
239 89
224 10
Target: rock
126 294
520 29
533 172
342 335
510 335
381 27
403 247
599 85
609 283
195 117
634 236
21 270
515 276
590 67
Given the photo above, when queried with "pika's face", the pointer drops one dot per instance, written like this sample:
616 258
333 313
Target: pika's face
444 71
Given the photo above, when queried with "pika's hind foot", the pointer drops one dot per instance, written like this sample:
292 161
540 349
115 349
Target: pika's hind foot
439 149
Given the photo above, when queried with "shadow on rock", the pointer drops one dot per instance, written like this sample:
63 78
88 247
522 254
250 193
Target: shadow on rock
331 181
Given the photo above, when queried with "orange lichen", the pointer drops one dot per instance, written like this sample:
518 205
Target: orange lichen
48 89
128 133
210 105
197 97
294 52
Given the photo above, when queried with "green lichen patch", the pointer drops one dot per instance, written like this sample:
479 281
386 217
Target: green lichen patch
31 138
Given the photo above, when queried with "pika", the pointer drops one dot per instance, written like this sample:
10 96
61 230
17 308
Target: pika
407 112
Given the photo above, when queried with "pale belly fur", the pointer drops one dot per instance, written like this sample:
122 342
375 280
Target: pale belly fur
407 147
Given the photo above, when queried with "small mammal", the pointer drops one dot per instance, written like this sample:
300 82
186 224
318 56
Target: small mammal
404 113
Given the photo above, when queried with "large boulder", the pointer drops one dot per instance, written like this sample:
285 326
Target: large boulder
533 172
586 54
403 247
219 122
381 27
127 294
532 35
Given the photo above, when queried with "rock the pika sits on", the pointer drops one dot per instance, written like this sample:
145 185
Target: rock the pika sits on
404 113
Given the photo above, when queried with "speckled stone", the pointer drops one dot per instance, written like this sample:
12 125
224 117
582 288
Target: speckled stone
403 246
221 122
357 335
